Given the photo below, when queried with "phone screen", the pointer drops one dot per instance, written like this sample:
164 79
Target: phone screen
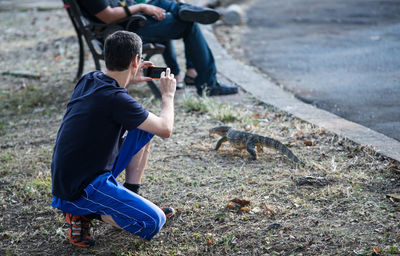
154 72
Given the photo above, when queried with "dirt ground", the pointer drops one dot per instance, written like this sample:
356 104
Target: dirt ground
339 207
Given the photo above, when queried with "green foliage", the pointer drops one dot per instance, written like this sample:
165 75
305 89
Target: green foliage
202 105
193 103
393 250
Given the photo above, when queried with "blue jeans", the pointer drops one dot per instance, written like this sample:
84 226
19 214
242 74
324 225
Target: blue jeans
169 56
196 47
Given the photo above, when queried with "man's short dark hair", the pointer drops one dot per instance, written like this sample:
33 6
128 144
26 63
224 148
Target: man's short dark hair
120 48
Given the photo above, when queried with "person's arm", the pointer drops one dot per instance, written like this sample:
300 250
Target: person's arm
162 125
114 14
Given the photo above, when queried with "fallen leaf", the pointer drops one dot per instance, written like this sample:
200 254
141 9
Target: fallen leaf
210 241
58 57
229 205
244 209
308 143
376 249
242 202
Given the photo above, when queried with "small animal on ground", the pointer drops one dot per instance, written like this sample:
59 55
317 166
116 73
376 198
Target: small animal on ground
250 141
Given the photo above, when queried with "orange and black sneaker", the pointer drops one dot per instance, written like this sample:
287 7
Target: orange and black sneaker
168 211
79 230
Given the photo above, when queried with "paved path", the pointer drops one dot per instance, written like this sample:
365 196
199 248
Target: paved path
340 55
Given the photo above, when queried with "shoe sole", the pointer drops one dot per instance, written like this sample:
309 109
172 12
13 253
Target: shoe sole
217 93
203 16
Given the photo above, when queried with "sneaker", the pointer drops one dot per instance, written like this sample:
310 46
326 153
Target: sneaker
221 89
78 232
198 14
168 211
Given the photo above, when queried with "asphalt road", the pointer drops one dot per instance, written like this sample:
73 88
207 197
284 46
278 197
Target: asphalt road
342 56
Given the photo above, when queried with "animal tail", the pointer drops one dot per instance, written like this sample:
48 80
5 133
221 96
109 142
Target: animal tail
272 143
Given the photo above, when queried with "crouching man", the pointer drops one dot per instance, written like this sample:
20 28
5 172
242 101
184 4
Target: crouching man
90 152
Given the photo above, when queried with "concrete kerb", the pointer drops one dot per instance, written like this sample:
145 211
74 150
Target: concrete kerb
269 93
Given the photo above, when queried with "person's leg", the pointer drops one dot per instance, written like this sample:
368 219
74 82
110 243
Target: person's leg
196 48
122 208
170 60
135 169
188 13
134 142
116 205
169 56
191 73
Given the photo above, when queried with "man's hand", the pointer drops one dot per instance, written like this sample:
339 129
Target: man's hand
168 83
151 10
163 125
139 75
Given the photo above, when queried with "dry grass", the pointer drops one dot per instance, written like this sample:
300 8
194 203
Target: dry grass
339 208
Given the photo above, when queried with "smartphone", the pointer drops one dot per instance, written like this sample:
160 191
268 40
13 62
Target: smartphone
154 72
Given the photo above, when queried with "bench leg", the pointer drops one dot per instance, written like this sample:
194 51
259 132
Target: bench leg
154 89
96 62
81 57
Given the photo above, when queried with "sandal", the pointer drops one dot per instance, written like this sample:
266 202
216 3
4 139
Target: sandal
189 80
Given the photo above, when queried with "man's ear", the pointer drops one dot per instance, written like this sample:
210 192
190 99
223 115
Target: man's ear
135 61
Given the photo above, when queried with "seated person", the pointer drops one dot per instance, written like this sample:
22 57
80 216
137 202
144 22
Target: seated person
170 20
88 155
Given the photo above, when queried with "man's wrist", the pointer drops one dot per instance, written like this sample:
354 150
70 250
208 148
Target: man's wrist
168 96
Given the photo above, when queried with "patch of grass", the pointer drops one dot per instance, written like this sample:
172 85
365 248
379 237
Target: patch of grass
2 127
393 250
193 103
218 110
38 188
29 99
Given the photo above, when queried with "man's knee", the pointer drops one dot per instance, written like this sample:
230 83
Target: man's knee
154 219
159 219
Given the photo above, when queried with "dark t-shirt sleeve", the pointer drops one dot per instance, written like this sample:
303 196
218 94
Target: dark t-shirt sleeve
93 6
127 111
